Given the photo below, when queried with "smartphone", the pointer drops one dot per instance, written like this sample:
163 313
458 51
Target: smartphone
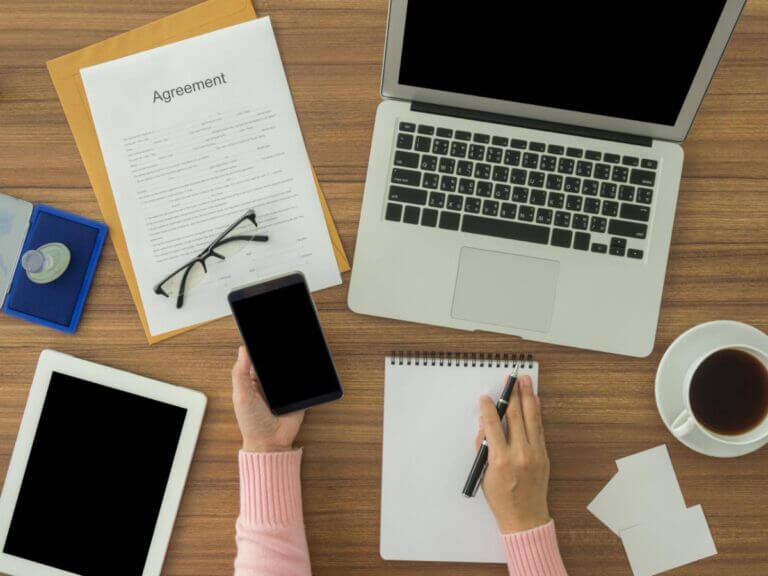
281 331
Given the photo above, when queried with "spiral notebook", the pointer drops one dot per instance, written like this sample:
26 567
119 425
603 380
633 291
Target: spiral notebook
431 416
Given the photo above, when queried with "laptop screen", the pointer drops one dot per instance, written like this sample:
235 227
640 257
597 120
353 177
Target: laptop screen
600 58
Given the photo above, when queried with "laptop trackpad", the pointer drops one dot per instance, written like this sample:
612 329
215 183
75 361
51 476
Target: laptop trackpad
505 289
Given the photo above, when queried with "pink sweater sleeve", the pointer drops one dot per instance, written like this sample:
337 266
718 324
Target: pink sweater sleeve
270 529
534 552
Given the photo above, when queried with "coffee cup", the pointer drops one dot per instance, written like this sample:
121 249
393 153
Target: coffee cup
725 394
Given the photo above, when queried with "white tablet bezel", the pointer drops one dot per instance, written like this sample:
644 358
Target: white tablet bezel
50 361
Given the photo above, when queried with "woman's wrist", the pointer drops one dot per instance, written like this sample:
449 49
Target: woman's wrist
264 447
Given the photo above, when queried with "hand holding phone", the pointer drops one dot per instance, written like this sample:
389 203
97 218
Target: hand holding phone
280 328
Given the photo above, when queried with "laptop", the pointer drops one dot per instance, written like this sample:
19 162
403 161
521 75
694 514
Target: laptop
525 165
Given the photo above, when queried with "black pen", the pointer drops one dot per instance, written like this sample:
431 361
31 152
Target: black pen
481 460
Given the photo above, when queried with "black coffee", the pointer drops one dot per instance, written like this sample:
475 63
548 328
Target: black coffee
729 392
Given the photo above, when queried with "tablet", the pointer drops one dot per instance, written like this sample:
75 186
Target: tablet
97 472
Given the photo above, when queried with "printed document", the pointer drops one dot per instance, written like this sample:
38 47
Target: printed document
193 135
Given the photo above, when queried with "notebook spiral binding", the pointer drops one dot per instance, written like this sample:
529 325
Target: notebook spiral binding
404 358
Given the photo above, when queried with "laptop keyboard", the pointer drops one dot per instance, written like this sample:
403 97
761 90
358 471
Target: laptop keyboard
521 190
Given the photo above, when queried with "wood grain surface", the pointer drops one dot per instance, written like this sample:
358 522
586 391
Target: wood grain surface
597 407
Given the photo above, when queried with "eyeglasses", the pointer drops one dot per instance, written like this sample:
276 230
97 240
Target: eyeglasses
227 244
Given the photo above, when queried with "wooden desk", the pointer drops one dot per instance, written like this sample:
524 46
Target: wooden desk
597 407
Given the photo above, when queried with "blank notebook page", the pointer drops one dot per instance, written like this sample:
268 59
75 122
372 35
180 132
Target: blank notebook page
430 423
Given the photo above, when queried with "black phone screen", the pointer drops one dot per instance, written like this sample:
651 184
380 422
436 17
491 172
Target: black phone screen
284 338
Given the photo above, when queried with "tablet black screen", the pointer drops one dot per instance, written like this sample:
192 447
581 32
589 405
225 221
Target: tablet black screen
95 479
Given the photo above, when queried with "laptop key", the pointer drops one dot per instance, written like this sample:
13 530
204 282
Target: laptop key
484 188
555 200
597 224
589 187
538 197
543 216
423 143
592 155
526 213
627 229
574 152
490 207
407 159
562 219
561 238
599 248
565 166
482 138
555 149
574 203
520 194
464 168
602 171
412 214
535 178
458 149
554 181
463 135
610 208
619 174
472 205
618 246
648 163
394 212
499 141
502 191
436 199
447 165
626 193
642 177
430 181
607 190
428 162
518 176
404 141
424 129
530 160
429 217
630 160
572 185
581 241
583 168
448 183
580 222
634 253
466 186
476 152
519 144
612 158
449 220
644 195
408 195
500 173
444 133
511 157
440 146
548 163
635 212
508 210
592 206
493 154
482 171
407 126
409 177
537 146
454 202
505 229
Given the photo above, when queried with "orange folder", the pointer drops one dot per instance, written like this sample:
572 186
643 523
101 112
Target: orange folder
65 73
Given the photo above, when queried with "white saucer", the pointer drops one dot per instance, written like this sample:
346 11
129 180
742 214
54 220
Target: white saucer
689 346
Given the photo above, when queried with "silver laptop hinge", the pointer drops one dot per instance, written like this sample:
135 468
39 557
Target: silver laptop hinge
531 123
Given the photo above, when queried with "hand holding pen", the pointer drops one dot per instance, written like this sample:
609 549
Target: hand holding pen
517 472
